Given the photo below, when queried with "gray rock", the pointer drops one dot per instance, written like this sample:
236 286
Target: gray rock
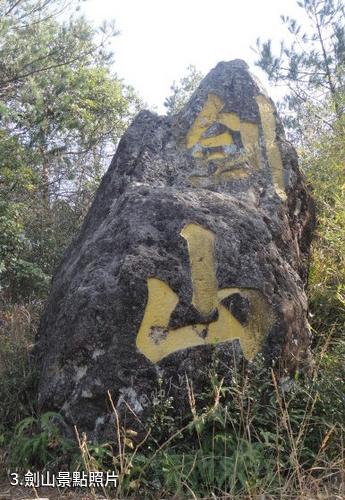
196 247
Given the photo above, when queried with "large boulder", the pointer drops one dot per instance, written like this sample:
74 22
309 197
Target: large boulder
195 247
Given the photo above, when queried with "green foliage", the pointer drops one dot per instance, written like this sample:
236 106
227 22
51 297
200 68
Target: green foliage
37 442
28 48
16 175
182 91
62 113
162 420
222 464
18 375
23 277
10 236
313 69
256 436
324 166
312 66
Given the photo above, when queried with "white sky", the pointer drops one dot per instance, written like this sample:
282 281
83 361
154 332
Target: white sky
160 38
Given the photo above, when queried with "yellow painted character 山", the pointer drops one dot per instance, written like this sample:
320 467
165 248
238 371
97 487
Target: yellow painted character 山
156 340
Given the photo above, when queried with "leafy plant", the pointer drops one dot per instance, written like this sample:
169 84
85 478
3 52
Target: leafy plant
38 442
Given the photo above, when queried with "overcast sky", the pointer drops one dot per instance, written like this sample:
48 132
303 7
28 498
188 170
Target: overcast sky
160 38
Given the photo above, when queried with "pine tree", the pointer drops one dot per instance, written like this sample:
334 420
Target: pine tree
311 65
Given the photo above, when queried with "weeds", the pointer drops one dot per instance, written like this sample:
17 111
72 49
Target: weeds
253 438
257 436
38 443
17 374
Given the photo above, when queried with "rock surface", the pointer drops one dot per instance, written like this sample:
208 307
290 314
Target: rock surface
196 245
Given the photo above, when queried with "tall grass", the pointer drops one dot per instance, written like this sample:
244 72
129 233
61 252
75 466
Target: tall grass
18 323
252 439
